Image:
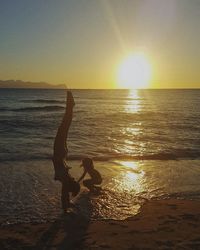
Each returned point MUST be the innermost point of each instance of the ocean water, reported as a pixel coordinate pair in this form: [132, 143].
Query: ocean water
[145, 143]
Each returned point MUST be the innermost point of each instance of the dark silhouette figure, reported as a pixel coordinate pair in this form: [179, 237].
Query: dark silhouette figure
[96, 178]
[60, 154]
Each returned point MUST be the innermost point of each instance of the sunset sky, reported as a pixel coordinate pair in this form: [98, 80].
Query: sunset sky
[83, 42]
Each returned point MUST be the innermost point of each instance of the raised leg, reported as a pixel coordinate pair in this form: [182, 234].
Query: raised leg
[89, 184]
[67, 118]
[60, 144]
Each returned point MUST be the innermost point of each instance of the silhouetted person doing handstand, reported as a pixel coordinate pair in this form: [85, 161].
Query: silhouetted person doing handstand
[60, 154]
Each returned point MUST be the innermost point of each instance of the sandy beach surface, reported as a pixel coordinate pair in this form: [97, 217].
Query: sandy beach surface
[160, 224]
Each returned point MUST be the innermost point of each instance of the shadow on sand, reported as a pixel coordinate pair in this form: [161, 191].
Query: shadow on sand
[69, 230]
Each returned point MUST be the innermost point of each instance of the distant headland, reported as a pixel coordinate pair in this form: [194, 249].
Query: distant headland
[32, 85]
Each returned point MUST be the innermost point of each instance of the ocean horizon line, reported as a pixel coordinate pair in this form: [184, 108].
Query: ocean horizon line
[20, 88]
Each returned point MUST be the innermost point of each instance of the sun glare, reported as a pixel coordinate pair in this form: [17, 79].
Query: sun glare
[134, 72]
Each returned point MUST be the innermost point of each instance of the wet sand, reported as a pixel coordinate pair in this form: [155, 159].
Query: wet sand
[161, 224]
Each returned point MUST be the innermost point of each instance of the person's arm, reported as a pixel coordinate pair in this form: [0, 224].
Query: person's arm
[82, 176]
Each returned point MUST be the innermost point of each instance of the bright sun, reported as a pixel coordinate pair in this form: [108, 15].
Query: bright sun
[134, 72]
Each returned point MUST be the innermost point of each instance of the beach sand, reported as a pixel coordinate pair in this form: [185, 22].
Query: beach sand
[160, 224]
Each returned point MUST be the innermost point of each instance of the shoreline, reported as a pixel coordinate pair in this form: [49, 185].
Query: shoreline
[160, 224]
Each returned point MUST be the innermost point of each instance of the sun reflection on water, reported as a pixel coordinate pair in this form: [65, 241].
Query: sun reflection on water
[133, 104]
[124, 192]
[130, 177]
[126, 187]
[132, 129]
[129, 164]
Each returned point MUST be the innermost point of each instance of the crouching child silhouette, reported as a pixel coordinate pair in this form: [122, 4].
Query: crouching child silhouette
[96, 179]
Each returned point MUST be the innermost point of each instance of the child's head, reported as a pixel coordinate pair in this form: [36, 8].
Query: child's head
[87, 163]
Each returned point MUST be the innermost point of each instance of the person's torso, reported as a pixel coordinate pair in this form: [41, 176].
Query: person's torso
[60, 170]
[94, 174]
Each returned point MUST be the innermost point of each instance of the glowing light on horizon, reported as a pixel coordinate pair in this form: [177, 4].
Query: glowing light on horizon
[134, 72]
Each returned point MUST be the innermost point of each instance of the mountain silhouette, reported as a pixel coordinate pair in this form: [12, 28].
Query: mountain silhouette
[23, 84]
